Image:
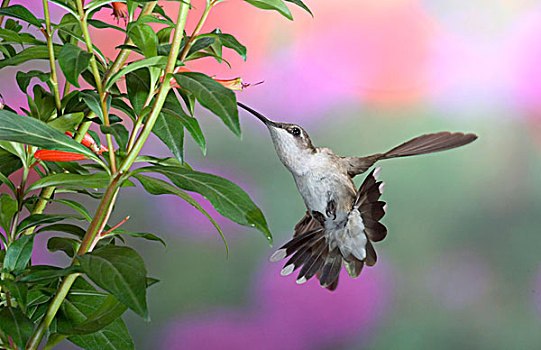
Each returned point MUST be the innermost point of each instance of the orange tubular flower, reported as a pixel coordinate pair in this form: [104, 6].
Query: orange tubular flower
[89, 142]
[57, 156]
[235, 84]
[120, 10]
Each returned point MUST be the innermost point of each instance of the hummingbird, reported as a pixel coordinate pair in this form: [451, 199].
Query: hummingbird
[341, 221]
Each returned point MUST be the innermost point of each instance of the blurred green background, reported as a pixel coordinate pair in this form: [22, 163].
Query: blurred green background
[460, 267]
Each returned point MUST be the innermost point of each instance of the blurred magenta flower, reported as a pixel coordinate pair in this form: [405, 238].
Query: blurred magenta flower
[287, 316]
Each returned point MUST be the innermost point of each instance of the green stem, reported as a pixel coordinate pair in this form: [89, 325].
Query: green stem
[97, 78]
[124, 53]
[99, 220]
[63, 290]
[196, 31]
[164, 89]
[44, 195]
[5, 3]
[49, 37]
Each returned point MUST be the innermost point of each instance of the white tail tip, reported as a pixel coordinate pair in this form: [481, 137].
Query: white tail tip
[382, 187]
[377, 171]
[301, 280]
[278, 255]
[287, 270]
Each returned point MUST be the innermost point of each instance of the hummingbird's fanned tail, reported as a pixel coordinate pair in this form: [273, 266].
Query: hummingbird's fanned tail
[318, 252]
[428, 143]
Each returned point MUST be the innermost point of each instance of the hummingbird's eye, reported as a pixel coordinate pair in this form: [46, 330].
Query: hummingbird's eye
[295, 131]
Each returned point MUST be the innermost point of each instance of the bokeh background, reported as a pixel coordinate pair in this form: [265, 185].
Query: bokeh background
[461, 265]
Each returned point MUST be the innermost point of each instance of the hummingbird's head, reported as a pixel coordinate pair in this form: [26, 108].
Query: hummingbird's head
[291, 142]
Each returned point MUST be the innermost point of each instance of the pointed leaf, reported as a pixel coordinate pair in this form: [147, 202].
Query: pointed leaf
[158, 61]
[98, 180]
[213, 96]
[73, 61]
[23, 79]
[39, 219]
[144, 37]
[18, 254]
[16, 325]
[121, 272]
[138, 86]
[301, 5]
[8, 208]
[84, 303]
[64, 244]
[227, 198]
[157, 187]
[145, 235]
[22, 13]
[27, 130]
[277, 5]
[67, 122]
[171, 132]
[119, 132]
[30, 53]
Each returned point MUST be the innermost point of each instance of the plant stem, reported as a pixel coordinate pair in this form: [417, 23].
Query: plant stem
[164, 89]
[44, 195]
[196, 31]
[49, 37]
[63, 290]
[104, 209]
[97, 78]
[5, 3]
[124, 53]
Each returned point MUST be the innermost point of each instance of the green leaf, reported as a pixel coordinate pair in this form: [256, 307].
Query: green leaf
[92, 100]
[18, 253]
[9, 163]
[78, 207]
[67, 245]
[27, 130]
[22, 13]
[169, 129]
[144, 37]
[30, 53]
[213, 96]
[16, 325]
[119, 132]
[8, 208]
[18, 290]
[14, 148]
[23, 79]
[227, 198]
[4, 179]
[277, 5]
[103, 25]
[85, 304]
[67, 122]
[158, 61]
[301, 5]
[158, 187]
[42, 104]
[138, 86]
[173, 108]
[97, 4]
[73, 61]
[98, 180]
[145, 235]
[45, 274]
[230, 42]
[110, 310]
[67, 228]
[121, 272]
[11, 36]
[39, 219]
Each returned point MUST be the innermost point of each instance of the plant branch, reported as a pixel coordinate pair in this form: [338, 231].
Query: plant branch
[97, 79]
[164, 89]
[5, 3]
[196, 31]
[49, 36]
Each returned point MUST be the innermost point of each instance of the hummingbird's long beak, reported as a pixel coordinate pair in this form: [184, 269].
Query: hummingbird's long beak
[258, 115]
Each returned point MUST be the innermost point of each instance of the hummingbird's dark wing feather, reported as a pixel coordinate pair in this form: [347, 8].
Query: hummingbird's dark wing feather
[310, 246]
[423, 144]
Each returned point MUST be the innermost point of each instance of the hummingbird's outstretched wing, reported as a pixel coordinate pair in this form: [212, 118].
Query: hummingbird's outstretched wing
[423, 144]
